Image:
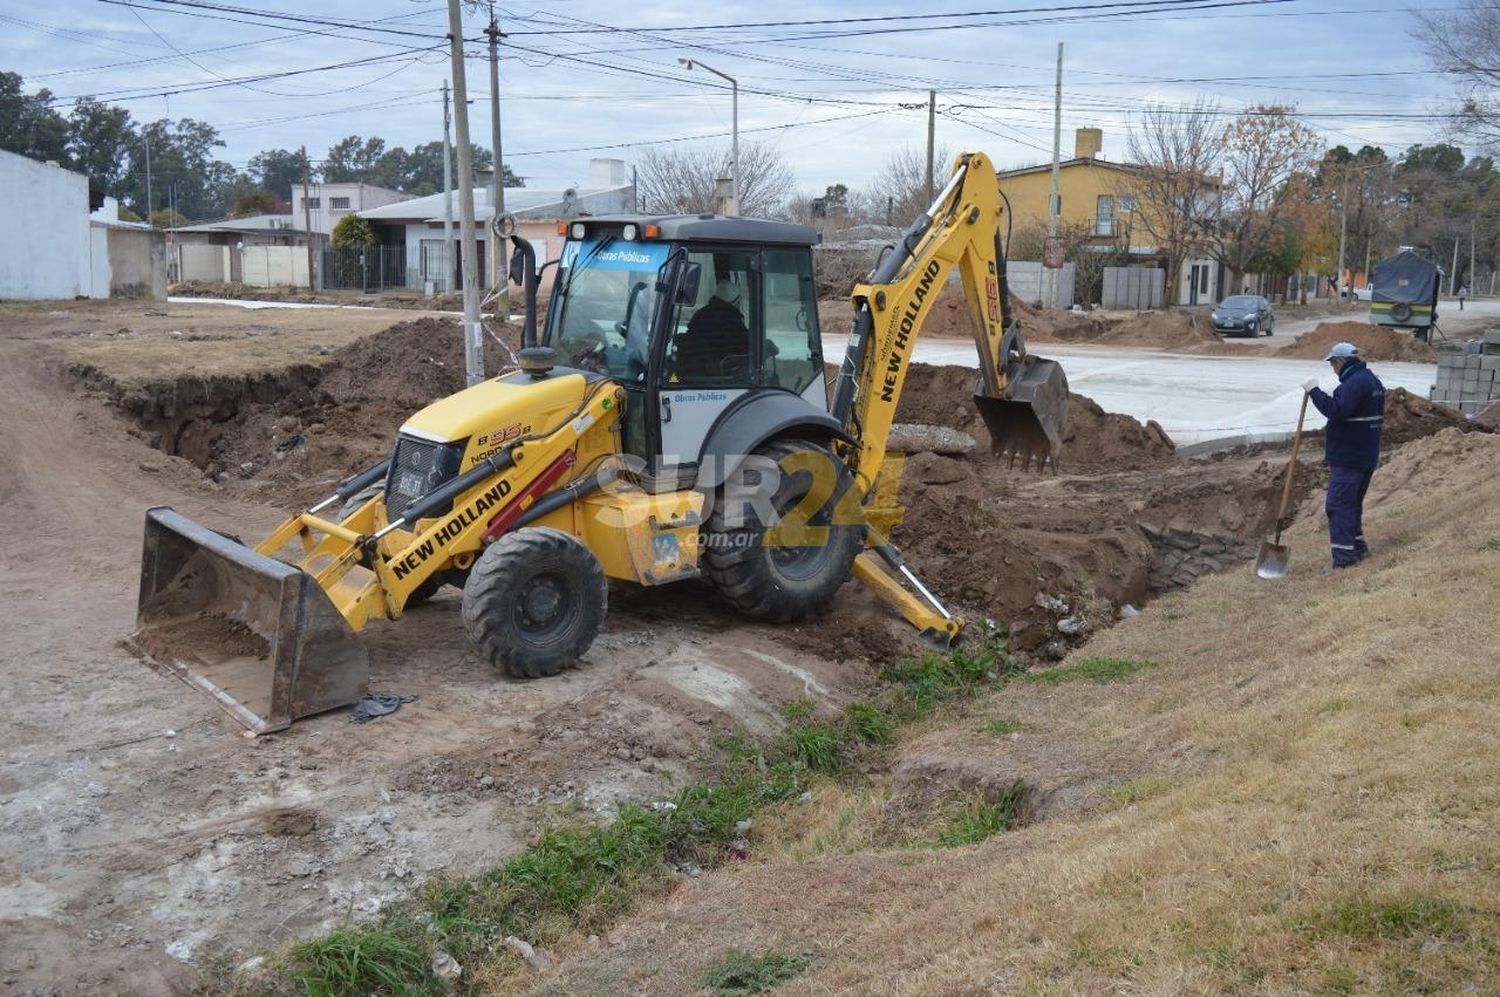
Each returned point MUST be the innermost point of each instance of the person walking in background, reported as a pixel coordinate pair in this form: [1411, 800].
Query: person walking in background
[1463, 292]
[1351, 448]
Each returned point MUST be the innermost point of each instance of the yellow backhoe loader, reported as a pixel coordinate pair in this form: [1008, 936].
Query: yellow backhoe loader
[671, 421]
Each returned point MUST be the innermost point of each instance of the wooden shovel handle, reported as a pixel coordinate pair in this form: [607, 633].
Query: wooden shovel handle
[1291, 467]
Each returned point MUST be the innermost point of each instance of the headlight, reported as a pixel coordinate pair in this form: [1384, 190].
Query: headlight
[578, 231]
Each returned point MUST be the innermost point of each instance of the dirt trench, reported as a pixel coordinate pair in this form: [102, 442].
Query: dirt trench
[292, 432]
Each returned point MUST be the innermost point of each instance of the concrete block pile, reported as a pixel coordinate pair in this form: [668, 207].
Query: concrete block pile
[1468, 375]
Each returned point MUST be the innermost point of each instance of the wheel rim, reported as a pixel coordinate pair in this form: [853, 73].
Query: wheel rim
[544, 607]
[801, 563]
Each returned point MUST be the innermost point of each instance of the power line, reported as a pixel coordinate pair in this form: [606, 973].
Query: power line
[607, 29]
[699, 138]
[172, 90]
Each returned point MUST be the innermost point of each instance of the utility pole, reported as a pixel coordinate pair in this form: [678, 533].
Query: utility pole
[307, 219]
[1472, 272]
[1054, 206]
[447, 195]
[1344, 233]
[147, 137]
[473, 331]
[497, 182]
[1453, 274]
[931, 136]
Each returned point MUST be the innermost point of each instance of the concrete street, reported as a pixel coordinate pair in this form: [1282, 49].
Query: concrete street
[1196, 399]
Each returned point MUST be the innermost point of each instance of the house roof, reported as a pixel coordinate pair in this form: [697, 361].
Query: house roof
[1090, 161]
[250, 223]
[1066, 163]
[523, 202]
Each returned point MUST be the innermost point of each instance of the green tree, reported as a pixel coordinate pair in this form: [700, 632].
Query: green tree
[100, 137]
[184, 172]
[354, 232]
[167, 218]
[281, 170]
[352, 159]
[28, 124]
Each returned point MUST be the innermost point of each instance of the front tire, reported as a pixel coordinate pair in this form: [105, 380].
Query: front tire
[534, 602]
[782, 583]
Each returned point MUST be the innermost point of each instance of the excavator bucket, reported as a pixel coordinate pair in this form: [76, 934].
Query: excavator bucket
[1027, 421]
[258, 635]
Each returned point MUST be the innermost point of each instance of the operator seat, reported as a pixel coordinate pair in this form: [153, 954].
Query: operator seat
[716, 343]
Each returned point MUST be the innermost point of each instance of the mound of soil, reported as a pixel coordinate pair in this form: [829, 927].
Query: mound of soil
[1159, 330]
[1093, 439]
[1411, 417]
[1375, 342]
[1096, 440]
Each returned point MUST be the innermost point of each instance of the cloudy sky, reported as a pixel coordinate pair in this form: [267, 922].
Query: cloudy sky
[832, 85]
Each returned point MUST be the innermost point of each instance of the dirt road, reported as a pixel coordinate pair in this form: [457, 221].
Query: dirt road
[145, 834]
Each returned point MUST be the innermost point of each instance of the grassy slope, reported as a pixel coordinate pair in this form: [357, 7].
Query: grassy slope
[1302, 794]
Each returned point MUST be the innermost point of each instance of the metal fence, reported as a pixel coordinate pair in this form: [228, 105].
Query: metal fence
[1137, 288]
[373, 269]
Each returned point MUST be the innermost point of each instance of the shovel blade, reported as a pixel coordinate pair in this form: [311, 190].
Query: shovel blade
[258, 635]
[1272, 560]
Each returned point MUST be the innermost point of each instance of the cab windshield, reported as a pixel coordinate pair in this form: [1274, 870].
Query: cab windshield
[606, 295]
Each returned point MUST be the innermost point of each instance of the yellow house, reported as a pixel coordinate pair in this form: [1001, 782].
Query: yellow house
[1102, 199]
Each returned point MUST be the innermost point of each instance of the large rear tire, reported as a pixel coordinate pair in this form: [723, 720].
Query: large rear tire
[782, 583]
[534, 602]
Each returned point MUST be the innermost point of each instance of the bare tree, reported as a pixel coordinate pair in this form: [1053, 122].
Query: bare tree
[1177, 155]
[681, 181]
[1264, 149]
[899, 192]
[1465, 42]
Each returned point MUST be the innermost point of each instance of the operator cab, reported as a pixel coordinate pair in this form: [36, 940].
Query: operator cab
[695, 316]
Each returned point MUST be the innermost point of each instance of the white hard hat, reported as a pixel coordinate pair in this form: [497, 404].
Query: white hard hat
[1342, 351]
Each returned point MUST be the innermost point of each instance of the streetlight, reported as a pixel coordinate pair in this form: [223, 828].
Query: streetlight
[734, 85]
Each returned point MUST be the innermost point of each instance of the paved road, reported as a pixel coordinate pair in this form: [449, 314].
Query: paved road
[1477, 314]
[1196, 399]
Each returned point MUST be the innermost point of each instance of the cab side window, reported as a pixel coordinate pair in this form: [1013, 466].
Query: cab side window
[711, 340]
[792, 354]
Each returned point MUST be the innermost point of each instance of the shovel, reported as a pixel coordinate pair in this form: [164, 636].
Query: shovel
[1273, 557]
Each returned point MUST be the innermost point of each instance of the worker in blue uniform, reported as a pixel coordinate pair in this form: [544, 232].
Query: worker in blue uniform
[1356, 414]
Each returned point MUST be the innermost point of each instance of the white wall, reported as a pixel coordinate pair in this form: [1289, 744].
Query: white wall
[45, 247]
[1027, 282]
[274, 266]
[200, 262]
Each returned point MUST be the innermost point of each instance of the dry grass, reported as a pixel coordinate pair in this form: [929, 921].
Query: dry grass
[137, 342]
[1302, 795]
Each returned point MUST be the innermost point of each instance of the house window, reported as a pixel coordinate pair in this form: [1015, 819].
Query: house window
[1124, 204]
[313, 203]
[338, 203]
[1104, 215]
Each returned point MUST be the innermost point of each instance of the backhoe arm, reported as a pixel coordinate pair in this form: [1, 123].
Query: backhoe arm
[1023, 398]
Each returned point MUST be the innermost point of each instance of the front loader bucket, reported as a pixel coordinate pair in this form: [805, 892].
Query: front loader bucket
[258, 635]
[1027, 420]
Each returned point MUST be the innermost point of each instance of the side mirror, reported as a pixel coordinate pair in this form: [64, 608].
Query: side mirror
[687, 287]
[518, 267]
